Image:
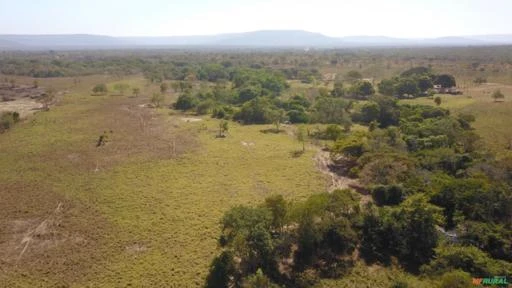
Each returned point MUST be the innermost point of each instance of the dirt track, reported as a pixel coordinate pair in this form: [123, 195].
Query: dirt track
[324, 163]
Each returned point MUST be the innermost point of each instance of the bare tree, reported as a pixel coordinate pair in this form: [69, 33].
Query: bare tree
[136, 91]
[223, 128]
[47, 98]
[157, 99]
[301, 137]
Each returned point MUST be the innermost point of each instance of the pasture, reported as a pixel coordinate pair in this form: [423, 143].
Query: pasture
[143, 209]
[104, 190]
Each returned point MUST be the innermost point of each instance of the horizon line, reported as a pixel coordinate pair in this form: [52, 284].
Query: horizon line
[252, 31]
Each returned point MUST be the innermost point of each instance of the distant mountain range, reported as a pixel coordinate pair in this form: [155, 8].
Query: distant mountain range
[264, 39]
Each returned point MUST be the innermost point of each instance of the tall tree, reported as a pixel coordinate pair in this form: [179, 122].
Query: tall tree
[445, 80]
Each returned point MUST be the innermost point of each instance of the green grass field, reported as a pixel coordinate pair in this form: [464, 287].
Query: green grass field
[142, 210]
[492, 118]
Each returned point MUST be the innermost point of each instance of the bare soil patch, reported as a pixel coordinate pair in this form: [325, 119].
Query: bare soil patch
[45, 235]
[133, 132]
[24, 107]
[339, 180]
[21, 98]
[189, 119]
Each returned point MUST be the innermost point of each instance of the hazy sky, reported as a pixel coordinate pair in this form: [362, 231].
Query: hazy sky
[398, 18]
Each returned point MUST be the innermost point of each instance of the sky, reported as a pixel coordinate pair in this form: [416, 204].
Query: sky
[394, 18]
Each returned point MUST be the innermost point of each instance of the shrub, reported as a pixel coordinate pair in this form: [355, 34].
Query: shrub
[296, 116]
[388, 195]
[100, 89]
[333, 132]
[157, 99]
[467, 258]
[399, 284]
[219, 113]
[255, 111]
[185, 102]
[352, 146]
[306, 279]
[204, 107]
[8, 119]
[480, 80]
[456, 279]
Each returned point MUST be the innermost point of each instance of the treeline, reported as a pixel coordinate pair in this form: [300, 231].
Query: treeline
[177, 64]
[441, 203]
[415, 82]
[252, 96]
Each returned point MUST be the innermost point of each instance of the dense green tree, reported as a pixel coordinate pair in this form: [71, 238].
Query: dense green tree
[248, 93]
[298, 103]
[353, 146]
[407, 231]
[278, 206]
[248, 232]
[445, 80]
[298, 116]
[338, 90]
[438, 101]
[255, 111]
[239, 220]
[212, 72]
[362, 90]
[389, 111]
[494, 239]
[467, 258]
[324, 227]
[205, 107]
[456, 279]
[475, 199]
[370, 112]
[354, 75]
[185, 102]
[407, 87]
[375, 239]
[333, 132]
[388, 195]
[259, 280]
[425, 83]
[387, 87]
[331, 110]
[222, 269]
[416, 71]
[386, 169]
[100, 89]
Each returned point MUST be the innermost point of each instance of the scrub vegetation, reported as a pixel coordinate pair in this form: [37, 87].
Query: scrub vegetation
[327, 168]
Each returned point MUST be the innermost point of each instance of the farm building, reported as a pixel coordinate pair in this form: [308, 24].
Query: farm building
[438, 89]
